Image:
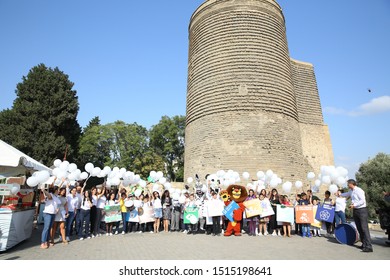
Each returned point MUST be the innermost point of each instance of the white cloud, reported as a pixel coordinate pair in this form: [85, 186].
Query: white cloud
[373, 107]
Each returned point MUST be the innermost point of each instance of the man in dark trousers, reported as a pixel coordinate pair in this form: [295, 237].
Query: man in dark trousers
[360, 214]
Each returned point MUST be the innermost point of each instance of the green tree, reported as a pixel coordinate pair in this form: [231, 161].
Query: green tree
[148, 162]
[95, 144]
[44, 116]
[167, 140]
[373, 177]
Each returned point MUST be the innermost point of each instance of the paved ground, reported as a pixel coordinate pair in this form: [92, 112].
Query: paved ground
[179, 246]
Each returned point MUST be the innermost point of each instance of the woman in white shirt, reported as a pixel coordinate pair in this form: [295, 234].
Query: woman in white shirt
[157, 208]
[101, 202]
[341, 204]
[49, 213]
[60, 217]
[85, 215]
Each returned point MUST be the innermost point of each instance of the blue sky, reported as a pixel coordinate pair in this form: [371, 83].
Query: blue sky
[128, 60]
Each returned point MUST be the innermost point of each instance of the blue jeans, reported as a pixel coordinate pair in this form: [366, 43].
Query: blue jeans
[48, 220]
[124, 221]
[340, 216]
[85, 219]
[69, 222]
[305, 229]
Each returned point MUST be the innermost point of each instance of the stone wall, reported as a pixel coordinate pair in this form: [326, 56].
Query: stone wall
[243, 112]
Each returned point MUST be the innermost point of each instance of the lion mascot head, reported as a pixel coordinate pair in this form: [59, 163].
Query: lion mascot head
[237, 193]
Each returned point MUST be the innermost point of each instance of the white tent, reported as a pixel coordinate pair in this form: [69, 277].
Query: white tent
[13, 162]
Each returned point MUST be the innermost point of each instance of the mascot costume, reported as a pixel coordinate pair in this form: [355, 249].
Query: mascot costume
[238, 194]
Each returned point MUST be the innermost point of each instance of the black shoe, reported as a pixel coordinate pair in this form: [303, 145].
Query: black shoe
[208, 233]
[367, 250]
[194, 233]
[189, 232]
[213, 234]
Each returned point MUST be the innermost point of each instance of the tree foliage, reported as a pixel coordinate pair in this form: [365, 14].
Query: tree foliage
[373, 177]
[167, 140]
[43, 120]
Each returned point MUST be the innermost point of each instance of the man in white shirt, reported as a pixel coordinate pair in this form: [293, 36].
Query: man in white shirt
[360, 214]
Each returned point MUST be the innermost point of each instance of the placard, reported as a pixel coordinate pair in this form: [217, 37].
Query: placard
[112, 213]
[132, 216]
[228, 211]
[316, 223]
[214, 207]
[284, 214]
[266, 208]
[191, 215]
[147, 217]
[304, 214]
[325, 213]
[252, 208]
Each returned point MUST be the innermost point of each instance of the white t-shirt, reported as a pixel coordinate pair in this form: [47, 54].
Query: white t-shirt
[94, 200]
[101, 202]
[52, 205]
[85, 205]
[341, 204]
[72, 202]
[157, 203]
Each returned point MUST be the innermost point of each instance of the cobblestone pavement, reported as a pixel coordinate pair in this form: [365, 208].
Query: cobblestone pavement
[179, 246]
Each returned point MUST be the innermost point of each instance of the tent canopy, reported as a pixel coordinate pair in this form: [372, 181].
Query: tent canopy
[13, 162]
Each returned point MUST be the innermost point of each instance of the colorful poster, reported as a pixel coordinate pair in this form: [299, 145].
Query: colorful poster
[132, 216]
[214, 207]
[228, 211]
[147, 217]
[112, 213]
[191, 215]
[266, 208]
[285, 214]
[252, 208]
[325, 213]
[316, 223]
[304, 214]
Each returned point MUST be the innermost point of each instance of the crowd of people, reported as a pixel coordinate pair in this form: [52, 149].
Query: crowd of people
[80, 213]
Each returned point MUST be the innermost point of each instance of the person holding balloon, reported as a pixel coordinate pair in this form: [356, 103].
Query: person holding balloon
[61, 216]
[49, 213]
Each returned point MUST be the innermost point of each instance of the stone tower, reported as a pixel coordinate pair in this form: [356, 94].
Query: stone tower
[249, 106]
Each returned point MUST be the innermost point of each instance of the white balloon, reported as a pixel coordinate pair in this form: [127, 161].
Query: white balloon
[32, 181]
[142, 183]
[190, 180]
[57, 163]
[89, 167]
[153, 174]
[156, 187]
[62, 174]
[221, 173]
[260, 175]
[245, 175]
[107, 170]
[343, 172]
[72, 167]
[279, 181]
[182, 199]
[102, 174]
[71, 177]
[298, 184]
[260, 188]
[55, 171]
[226, 183]
[122, 171]
[341, 181]
[43, 176]
[175, 196]
[83, 175]
[326, 180]
[137, 192]
[274, 182]
[64, 165]
[269, 173]
[137, 178]
[96, 171]
[115, 181]
[311, 176]
[159, 175]
[162, 180]
[16, 188]
[333, 188]
[204, 188]
[167, 186]
[178, 191]
[287, 187]
[317, 183]
[172, 190]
